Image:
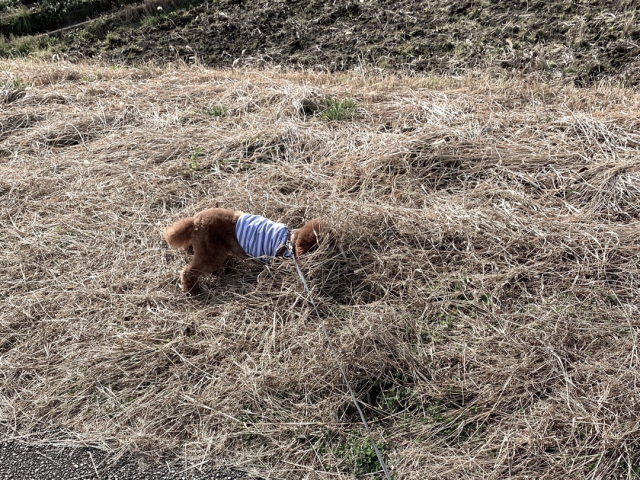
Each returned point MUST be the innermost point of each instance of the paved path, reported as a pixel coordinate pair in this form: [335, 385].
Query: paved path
[27, 462]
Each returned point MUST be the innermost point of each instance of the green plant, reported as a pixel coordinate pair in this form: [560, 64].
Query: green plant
[151, 20]
[7, 4]
[338, 110]
[433, 412]
[360, 455]
[16, 46]
[113, 39]
[22, 22]
[394, 399]
[216, 111]
[194, 158]
[12, 89]
[14, 83]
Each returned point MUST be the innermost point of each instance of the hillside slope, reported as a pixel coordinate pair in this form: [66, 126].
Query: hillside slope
[582, 41]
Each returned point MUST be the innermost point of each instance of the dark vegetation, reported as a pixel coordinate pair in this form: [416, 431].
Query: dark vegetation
[582, 41]
[26, 17]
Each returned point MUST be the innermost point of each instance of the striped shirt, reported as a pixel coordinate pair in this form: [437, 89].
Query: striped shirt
[261, 238]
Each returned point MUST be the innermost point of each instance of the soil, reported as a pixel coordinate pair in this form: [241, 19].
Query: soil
[580, 42]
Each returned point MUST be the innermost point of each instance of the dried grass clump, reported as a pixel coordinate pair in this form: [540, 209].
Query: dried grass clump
[482, 289]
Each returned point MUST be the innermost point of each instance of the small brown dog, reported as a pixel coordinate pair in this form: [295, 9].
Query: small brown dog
[217, 234]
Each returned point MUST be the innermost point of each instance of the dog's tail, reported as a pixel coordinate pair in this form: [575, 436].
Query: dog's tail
[178, 235]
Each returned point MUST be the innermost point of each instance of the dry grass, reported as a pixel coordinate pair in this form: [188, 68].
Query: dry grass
[482, 292]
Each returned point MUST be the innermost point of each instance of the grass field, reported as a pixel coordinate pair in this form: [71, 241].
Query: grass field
[482, 290]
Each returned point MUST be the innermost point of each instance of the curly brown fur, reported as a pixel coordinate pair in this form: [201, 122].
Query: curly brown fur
[309, 236]
[178, 235]
[211, 236]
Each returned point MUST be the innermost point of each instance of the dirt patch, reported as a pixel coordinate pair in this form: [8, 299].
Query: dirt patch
[583, 41]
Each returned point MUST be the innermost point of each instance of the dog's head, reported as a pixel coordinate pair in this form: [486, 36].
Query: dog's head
[309, 236]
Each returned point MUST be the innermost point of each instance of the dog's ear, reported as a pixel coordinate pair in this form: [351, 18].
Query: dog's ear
[309, 236]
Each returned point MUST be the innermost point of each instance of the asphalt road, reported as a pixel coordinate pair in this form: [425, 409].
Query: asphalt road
[19, 461]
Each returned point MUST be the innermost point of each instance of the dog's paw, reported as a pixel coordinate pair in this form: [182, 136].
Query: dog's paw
[188, 285]
[190, 290]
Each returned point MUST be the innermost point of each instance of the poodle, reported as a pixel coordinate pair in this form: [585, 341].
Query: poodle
[216, 234]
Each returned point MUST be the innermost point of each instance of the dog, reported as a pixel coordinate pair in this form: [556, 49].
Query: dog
[216, 234]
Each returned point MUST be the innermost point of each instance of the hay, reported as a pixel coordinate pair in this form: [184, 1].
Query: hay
[482, 290]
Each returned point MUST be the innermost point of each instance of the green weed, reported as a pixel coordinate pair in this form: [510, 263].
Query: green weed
[216, 111]
[152, 19]
[8, 4]
[360, 455]
[339, 110]
[15, 84]
[12, 89]
[194, 158]
[12, 46]
[395, 399]
[149, 21]
[113, 39]
[22, 22]
[433, 412]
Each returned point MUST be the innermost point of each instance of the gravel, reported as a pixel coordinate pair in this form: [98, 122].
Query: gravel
[20, 461]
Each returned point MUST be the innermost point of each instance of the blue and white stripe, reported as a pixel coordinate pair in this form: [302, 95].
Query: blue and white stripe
[260, 237]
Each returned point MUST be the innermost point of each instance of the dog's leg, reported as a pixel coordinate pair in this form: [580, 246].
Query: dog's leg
[189, 280]
[198, 267]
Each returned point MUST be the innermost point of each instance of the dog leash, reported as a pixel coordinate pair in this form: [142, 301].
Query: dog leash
[337, 359]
